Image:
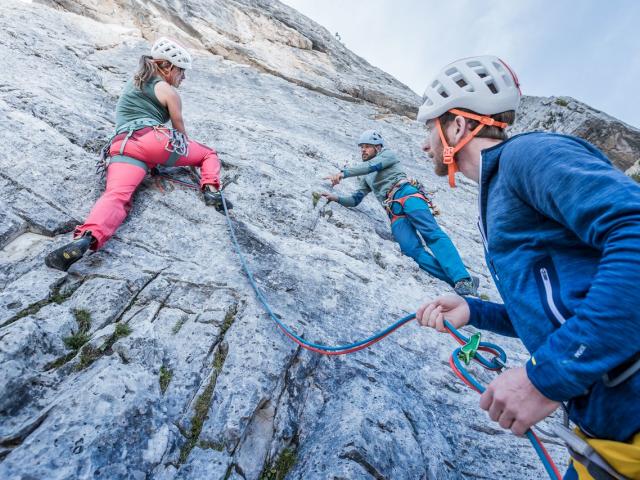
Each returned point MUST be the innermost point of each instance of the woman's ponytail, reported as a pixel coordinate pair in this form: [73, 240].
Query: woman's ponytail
[146, 70]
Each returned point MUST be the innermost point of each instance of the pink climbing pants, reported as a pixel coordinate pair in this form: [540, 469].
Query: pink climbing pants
[148, 146]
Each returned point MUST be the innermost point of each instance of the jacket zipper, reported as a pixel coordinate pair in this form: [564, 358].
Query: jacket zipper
[548, 289]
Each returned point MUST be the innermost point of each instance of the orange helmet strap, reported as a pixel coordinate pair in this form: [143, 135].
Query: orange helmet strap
[450, 152]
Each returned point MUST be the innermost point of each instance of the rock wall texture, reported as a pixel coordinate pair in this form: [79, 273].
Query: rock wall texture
[152, 358]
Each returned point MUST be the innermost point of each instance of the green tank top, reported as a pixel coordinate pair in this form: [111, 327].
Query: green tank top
[138, 104]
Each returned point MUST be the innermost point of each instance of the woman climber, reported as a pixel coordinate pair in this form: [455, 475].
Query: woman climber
[142, 141]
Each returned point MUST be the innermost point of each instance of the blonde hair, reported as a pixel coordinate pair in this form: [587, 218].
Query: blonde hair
[147, 68]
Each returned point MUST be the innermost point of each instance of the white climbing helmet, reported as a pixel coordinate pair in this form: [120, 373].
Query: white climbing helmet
[371, 137]
[483, 84]
[170, 50]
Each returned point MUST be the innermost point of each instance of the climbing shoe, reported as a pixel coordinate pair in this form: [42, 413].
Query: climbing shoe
[213, 198]
[467, 287]
[64, 257]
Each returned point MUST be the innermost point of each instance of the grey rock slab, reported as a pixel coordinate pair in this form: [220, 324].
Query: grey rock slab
[171, 339]
[11, 226]
[240, 391]
[26, 347]
[29, 289]
[103, 298]
[24, 246]
[205, 463]
[128, 440]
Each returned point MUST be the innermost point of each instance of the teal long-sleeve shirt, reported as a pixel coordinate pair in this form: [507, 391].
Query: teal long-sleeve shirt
[378, 175]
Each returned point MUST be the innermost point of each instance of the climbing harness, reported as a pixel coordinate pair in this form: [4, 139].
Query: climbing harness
[586, 455]
[177, 144]
[390, 204]
[128, 129]
[469, 350]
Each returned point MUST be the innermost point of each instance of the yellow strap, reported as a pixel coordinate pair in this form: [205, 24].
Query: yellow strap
[624, 457]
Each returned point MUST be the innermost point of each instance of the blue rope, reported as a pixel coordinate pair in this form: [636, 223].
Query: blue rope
[489, 364]
[376, 336]
[493, 365]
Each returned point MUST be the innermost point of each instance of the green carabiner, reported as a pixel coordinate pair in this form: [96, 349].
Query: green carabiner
[469, 349]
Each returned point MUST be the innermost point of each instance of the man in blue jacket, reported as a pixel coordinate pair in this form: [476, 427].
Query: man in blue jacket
[561, 231]
[409, 212]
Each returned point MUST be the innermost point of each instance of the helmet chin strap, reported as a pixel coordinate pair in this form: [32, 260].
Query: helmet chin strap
[164, 71]
[450, 152]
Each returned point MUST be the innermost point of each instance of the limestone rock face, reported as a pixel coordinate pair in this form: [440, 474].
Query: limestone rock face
[152, 358]
[621, 142]
[264, 34]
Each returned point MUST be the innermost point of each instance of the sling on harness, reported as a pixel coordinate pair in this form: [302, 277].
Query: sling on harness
[390, 202]
[586, 455]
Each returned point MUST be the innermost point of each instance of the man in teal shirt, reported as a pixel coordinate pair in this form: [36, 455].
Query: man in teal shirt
[408, 210]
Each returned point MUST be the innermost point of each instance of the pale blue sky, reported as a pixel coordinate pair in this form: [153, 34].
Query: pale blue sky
[587, 49]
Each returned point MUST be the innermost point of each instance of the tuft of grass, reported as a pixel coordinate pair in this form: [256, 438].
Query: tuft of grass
[635, 176]
[60, 361]
[88, 355]
[57, 296]
[30, 310]
[315, 198]
[176, 328]
[122, 330]
[83, 318]
[220, 357]
[562, 102]
[229, 317]
[81, 336]
[484, 296]
[281, 467]
[76, 340]
[34, 308]
[165, 378]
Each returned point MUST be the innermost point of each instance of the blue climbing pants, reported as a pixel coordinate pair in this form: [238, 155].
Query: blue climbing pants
[415, 217]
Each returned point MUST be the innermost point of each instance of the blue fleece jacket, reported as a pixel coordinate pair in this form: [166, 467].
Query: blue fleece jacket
[562, 240]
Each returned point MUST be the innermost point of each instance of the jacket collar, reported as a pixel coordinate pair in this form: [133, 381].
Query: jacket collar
[489, 164]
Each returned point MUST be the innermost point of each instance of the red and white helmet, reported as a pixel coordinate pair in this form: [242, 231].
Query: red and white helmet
[171, 51]
[483, 84]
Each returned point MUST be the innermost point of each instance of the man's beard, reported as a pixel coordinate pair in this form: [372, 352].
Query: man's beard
[367, 157]
[439, 167]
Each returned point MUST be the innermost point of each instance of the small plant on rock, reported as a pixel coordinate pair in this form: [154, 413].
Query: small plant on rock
[165, 378]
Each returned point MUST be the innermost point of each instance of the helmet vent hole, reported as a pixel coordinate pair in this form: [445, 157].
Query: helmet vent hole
[439, 88]
[492, 87]
[462, 83]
